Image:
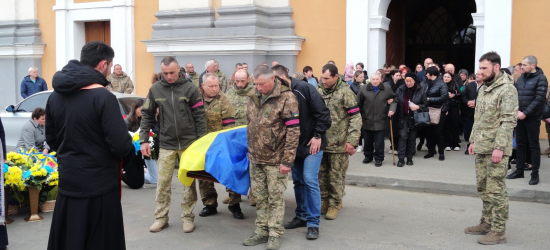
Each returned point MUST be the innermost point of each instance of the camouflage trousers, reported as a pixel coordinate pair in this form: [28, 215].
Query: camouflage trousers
[332, 178]
[268, 186]
[166, 164]
[491, 187]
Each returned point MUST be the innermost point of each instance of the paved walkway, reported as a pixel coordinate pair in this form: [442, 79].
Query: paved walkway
[455, 175]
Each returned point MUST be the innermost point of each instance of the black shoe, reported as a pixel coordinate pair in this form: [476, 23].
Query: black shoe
[312, 233]
[515, 175]
[295, 223]
[419, 146]
[513, 161]
[236, 210]
[528, 167]
[367, 160]
[534, 181]
[441, 157]
[466, 152]
[378, 163]
[207, 211]
[409, 162]
[401, 163]
[428, 156]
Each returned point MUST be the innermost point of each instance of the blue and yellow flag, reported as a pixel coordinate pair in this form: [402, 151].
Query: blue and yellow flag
[223, 154]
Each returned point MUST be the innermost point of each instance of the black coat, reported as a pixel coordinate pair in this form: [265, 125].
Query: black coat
[455, 90]
[469, 93]
[314, 115]
[532, 89]
[3, 139]
[355, 87]
[419, 98]
[438, 94]
[86, 129]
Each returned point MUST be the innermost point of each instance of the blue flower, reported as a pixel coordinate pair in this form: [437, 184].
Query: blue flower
[48, 169]
[26, 174]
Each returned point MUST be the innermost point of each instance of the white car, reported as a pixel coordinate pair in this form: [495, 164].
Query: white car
[17, 115]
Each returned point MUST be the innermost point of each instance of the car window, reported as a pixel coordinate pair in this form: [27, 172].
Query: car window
[126, 104]
[33, 102]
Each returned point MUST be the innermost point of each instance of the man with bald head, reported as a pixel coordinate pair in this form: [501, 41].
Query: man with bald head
[450, 68]
[193, 76]
[422, 74]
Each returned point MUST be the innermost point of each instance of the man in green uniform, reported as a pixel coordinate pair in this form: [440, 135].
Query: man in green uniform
[273, 132]
[495, 117]
[343, 137]
[190, 68]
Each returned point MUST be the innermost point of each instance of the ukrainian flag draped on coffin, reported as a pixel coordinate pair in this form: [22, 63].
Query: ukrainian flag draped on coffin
[223, 154]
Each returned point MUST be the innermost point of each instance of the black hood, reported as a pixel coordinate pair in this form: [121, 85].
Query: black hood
[74, 76]
[537, 73]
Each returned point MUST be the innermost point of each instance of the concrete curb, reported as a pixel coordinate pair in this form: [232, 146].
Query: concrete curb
[442, 188]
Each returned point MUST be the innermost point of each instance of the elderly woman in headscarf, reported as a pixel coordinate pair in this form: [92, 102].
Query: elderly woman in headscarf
[410, 97]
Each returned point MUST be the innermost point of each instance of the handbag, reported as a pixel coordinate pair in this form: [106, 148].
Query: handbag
[421, 119]
[435, 115]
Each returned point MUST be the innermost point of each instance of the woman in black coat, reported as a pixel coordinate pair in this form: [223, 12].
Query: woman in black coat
[452, 121]
[411, 98]
[437, 97]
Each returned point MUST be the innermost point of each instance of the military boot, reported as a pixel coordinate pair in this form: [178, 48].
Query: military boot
[332, 213]
[225, 200]
[481, 229]
[492, 238]
[255, 239]
[158, 226]
[188, 226]
[274, 243]
[340, 206]
[324, 208]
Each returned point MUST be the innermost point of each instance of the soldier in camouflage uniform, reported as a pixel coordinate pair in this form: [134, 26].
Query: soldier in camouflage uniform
[343, 137]
[239, 100]
[193, 76]
[181, 112]
[219, 115]
[120, 82]
[221, 75]
[273, 134]
[491, 140]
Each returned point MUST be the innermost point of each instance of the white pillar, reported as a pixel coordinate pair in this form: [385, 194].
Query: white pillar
[356, 37]
[498, 29]
[123, 45]
[378, 26]
[479, 23]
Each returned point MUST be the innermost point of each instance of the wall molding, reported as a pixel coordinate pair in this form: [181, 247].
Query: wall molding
[34, 50]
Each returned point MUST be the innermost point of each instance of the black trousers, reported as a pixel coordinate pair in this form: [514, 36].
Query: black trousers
[133, 171]
[527, 135]
[467, 125]
[374, 144]
[452, 125]
[407, 139]
[434, 136]
[87, 223]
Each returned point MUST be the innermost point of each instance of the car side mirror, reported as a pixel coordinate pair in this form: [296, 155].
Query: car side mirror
[10, 108]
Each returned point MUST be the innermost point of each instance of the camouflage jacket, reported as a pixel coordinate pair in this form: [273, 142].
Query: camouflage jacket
[194, 77]
[239, 100]
[274, 126]
[120, 84]
[345, 115]
[223, 81]
[495, 116]
[219, 113]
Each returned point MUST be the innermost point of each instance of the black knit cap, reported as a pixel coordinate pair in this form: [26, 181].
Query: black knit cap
[411, 75]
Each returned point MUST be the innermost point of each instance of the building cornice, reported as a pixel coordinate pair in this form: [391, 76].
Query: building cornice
[18, 50]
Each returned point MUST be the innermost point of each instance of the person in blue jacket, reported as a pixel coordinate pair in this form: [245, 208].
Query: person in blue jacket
[32, 84]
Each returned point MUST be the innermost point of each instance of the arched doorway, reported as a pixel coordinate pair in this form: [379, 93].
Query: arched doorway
[440, 29]
[380, 22]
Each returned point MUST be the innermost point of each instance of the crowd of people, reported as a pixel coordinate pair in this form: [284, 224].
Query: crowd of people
[297, 123]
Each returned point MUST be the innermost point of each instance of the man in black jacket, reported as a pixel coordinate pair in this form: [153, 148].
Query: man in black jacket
[532, 86]
[86, 129]
[469, 96]
[314, 121]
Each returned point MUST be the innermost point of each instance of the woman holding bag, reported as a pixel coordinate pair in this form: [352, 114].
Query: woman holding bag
[411, 98]
[437, 98]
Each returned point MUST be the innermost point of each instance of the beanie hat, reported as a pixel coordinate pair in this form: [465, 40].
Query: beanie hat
[411, 75]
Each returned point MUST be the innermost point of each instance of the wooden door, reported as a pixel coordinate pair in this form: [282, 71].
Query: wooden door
[98, 31]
